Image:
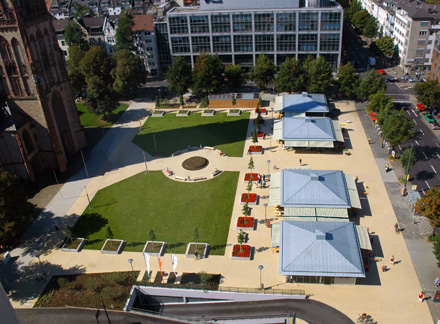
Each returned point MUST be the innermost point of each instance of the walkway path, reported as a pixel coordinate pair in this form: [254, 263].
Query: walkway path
[381, 294]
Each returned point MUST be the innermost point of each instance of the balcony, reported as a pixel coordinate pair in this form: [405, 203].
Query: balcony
[436, 27]
[8, 22]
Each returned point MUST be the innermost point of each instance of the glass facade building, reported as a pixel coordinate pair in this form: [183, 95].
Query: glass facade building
[241, 30]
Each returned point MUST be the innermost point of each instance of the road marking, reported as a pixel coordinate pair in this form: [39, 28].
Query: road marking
[414, 121]
[433, 169]
[415, 114]
[424, 155]
[437, 144]
[422, 132]
[428, 184]
[417, 143]
[423, 192]
[437, 155]
[400, 147]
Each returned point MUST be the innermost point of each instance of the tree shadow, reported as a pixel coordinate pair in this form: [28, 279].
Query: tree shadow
[366, 210]
[175, 245]
[425, 175]
[24, 283]
[134, 244]
[89, 224]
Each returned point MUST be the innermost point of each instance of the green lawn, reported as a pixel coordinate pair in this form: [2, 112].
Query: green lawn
[91, 120]
[226, 133]
[173, 209]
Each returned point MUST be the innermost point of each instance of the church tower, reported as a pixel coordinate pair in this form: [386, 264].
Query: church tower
[35, 92]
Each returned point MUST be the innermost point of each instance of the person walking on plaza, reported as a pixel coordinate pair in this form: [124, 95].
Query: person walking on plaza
[369, 140]
[396, 228]
[421, 297]
[392, 260]
[437, 282]
[300, 162]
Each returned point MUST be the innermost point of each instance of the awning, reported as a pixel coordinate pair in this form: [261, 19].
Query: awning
[352, 191]
[314, 144]
[275, 239]
[275, 189]
[316, 212]
[278, 129]
[338, 131]
[364, 237]
[315, 219]
[278, 106]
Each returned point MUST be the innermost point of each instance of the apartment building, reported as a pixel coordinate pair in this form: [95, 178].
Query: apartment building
[414, 26]
[238, 31]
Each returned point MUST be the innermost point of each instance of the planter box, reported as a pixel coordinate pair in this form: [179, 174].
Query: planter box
[202, 249]
[182, 113]
[208, 112]
[245, 223]
[255, 149]
[159, 248]
[241, 253]
[78, 244]
[251, 198]
[262, 111]
[254, 177]
[234, 112]
[112, 246]
[158, 113]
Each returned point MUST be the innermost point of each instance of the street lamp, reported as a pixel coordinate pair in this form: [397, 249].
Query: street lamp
[265, 206]
[145, 161]
[268, 167]
[39, 260]
[260, 267]
[131, 263]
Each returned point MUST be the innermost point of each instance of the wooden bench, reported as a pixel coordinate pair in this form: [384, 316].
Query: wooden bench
[215, 173]
[198, 178]
[180, 178]
[209, 148]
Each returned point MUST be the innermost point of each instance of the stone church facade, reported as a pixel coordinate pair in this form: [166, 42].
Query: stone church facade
[39, 123]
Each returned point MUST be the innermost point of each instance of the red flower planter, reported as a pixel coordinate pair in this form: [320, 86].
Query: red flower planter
[245, 223]
[248, 176]
[263, 111]
[241, 252]
[250, 198]
[256, 149]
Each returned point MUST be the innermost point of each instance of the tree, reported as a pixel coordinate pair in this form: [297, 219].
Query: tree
[249, 186]
[240, 237]
[429, 206]
[436, 249]
[179, 76]
[235, 75]
[386, 45]
[69, 233]
[433, 1]
[80, 11]
[255, 136]
[234, 100]
[397, 127]
[157, 102]
[379, 101]
[348, 81]
[319, 76]
[372, 83]
[129, 72]
[77, 79]
[405, 159]
[360, 19]
[371, 28]
[207, 75]
[15, 211]
[428, 93]
[109, 233]
[101, 98]
[354, 7]
[290, 78]
[263, 72]
[74, 35]
[245, 209]
[124, 35]
[251, 165]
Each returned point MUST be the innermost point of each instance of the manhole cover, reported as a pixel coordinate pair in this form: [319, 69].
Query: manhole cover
[195, 163]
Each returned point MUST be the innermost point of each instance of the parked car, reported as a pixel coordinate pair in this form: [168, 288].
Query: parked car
[334, 113]
[435, 126]
[430, 118]
[391, 80]
[412, 80]
[420, 107]
[373, 116]
[381, 71]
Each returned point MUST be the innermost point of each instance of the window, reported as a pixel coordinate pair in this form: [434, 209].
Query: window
[243, 43]
[330, 21]
[423, 33]
[242, 22]
[424, 24]
[420, 51]
[329, 42]
[199, 24]
[221, 43]
[200, 43]
[286, 22]
[307, 42]
[180, 45]
[264, 43]
[308, 21]
[286, 43]
[263, 22]
[220, 24]
[421, 42]
[178, 25]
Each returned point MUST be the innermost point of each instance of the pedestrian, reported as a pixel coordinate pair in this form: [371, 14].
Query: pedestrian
[196, 255]
[387, 168]
[421, 297]
[392, 260]
[384, 268]
[300, 162]
[437, 282]
[55, 224]
[396, 228]
[369, 140]
[356, 179]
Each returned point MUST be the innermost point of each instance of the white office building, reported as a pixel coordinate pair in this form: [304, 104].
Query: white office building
[238, 31]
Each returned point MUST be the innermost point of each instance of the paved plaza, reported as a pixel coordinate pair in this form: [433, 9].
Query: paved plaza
[389, 297]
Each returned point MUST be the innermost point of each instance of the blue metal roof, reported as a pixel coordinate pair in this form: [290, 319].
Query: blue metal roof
[329, 249]
[308, 128]
[314, 188]
[305, 102]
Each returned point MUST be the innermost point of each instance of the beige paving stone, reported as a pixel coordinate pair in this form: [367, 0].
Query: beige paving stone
[393, 299]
